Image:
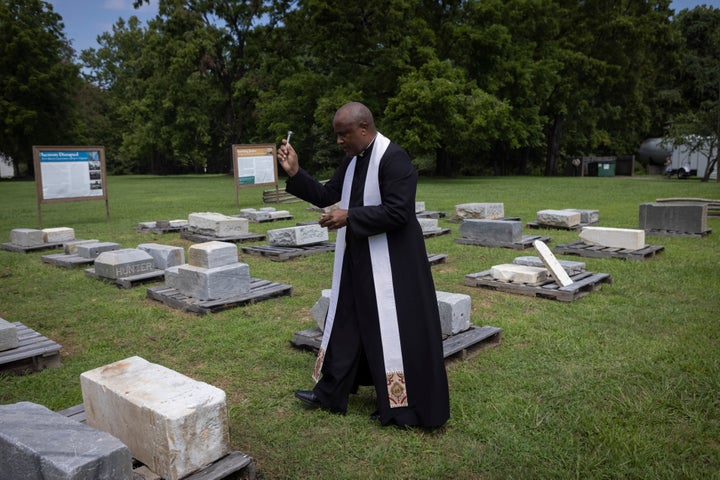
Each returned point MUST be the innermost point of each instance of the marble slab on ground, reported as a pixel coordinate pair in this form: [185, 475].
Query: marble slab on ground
[510, 272]
[122, 263]
[217, 224]
[70, 247]
[626, 238]
[172, 423]
[26, 237]
[297, 236]
[571, 267]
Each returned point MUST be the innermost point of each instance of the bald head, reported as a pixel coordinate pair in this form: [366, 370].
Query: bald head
[354, 127]
[355, 114]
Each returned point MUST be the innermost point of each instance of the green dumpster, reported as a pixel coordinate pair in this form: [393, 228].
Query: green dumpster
[606, 169]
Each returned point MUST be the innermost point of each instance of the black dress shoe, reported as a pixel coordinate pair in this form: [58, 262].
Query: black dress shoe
[375, 415]
[308, 398]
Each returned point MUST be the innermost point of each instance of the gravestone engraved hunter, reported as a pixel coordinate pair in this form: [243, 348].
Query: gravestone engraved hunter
[126, 262]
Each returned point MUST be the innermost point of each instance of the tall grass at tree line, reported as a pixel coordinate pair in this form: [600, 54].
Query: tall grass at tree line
[623, 383]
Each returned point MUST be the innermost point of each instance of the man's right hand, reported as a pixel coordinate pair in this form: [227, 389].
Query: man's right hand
[288, 159]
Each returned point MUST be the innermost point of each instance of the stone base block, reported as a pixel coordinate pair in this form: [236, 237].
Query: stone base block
[8, 335]
[558, 218]
[419, 207]
[213, 283]
[39, 444]
[58, 234]
[173, 424]
[164, 256]
[570, 266]
[509, 272]
[298, 236]
[454, 312]
[92, 250]
[70, 248]
[212, 254]
[627, 238]
[217, 224]
[685, 217]
[428, 224]
[320, 309]
[26, 237]
[492, 231]
[587, 216]
[123, 263]
[172, 277]
[490, 211]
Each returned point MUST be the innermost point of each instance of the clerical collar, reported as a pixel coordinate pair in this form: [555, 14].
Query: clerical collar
[367, 149]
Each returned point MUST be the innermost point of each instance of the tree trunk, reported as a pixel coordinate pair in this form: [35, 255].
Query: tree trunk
[443, 165]
[553, 135]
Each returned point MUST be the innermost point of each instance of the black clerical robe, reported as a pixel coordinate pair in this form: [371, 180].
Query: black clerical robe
[355, 346]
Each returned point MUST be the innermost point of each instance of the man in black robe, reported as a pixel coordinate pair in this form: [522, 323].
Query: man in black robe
[383, 316]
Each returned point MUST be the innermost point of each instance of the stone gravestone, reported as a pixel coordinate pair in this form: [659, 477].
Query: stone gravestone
[454, 311]
[429, 225]
[58, 234]
[263, 214]
[298, 236]
[586, 216]
[213, 272]
[26, 237]
[680, 217]
[217, 225]
[510, 272]
[419, 207]
[490, 211]
[123, 263]
[497, 232]
[8, 335]
[93, 249]
[558, 218]
[626, 238]
[571, 267]
[39, 444]
[164, 256]
[70, 248]
[173, 424]
[551, 263]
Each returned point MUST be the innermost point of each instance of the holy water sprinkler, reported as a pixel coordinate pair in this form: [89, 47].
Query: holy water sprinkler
[288, 136]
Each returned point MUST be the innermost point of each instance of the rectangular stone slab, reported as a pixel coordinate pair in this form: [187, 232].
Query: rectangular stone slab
[58, 234]
[123, 263]
[26, 237]
[173, 424]
[558, 218]
[682, 217]
[495, 231]
[213, 283]
[164, 256]
[510, 272]
[217, 224]
[39, 444]
[92, 250]
[8, 335]
[627, 238]
[70, 247]
[297, 236]
[571, 267]
[551, 263]
[212, 254]
[490, 211]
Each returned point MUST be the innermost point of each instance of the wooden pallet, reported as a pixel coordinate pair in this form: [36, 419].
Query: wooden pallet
[525, 243]
[436, 232]
[437, 258]
[579, 226]
[65, 260]
[197, 237]
[11, 247]
[259, 290]
[671, 233]
[460, 345]
[132, 280]
[282, 254]
[33, 353]
[596, 251]
[583, 284]
[234, 463]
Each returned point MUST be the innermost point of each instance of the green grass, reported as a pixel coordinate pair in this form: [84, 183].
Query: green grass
[623, 383]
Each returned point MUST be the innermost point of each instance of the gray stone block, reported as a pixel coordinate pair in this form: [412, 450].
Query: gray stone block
[214, 283]
[8, 335]
[26, 237]
[70, 248]
[92, 250]
[587, 216]
[39, 444]
[419, 207]
[570, 266]
[492, 231]
[164, 256]
[217, 224]
[297, 236]
[454, 311]
[212, 254]
[490, 211]
[172, 277]
[320, 309]
[123, 263]
[558, 218]
[510, 272]
[58, 234]
[683, 217]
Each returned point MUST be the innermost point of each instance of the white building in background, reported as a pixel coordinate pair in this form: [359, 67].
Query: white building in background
[6, 167]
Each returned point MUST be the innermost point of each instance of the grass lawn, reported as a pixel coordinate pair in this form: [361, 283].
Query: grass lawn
[623, 383]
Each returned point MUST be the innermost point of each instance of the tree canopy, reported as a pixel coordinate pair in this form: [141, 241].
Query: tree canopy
[468, 87]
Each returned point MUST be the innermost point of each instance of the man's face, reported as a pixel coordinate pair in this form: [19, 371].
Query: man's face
[353, 138]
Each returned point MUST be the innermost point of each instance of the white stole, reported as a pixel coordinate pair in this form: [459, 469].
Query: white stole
[382, 278]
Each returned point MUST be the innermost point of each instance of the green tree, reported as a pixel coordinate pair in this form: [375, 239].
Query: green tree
[38, 80]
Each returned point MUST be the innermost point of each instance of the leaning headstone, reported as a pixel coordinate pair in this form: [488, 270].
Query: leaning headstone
[626, 238]
[571, 267]
[173, 424]
[454, 311]
[490, 211]
[492, 231]
[39, 444]
[510, 272]
[681, 217]
[320, 309]
[551, 263]
[558, 218]
[58, 234]
[297, 236]
[26, 237]
[217, 224]
[212, 254]
[93, 249]
[123, 263]
[70, 248]
[164, 256]
[8, 335]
